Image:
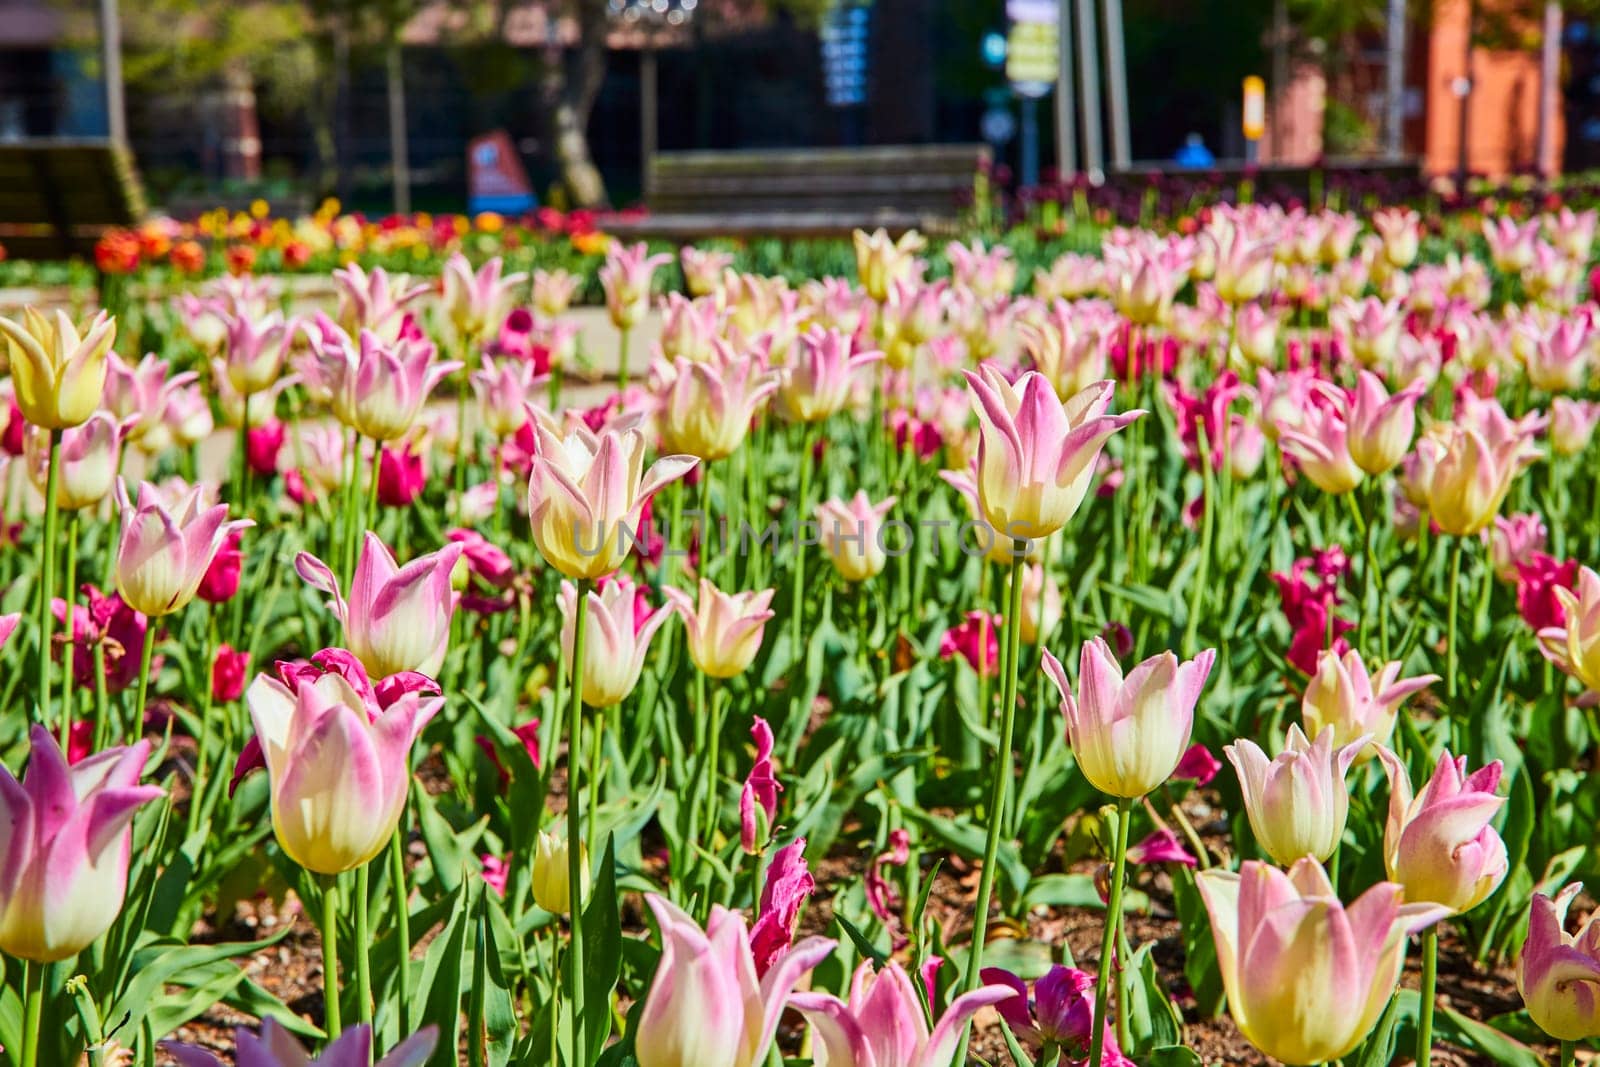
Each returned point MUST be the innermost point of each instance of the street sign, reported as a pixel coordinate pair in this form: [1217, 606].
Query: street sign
[998, 126]
[1032, 54]
[1254, 113]
[993, 49]
[844, 35]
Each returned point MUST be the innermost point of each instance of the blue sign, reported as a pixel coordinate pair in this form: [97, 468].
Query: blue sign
[846, 37]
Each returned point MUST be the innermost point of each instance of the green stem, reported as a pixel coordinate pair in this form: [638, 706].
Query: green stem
[204, 743]
[1569, 1053]
[71, 598]
[351, 536]
[33, 1009]
[1207, 532]
[574, 820]
[244, 458]
[47, 574]
[713, 757]
[1451, 651]
[598, 741]
[330, 957]
[463, 441]
[363, 945]
[1108, 941]
[371, 514]
[1001, 783]
[144, 675]
[402, 926]
[797, 604]
[480, 981]
[1430, 977]
[622, 360]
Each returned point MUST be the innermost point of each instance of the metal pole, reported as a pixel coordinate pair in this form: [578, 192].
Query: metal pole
[1549, 89]
[399, 144]
[647, 113]
[1280, 115]
[1089, 90]
[1394, 82]
[1066, 129]
[1030, 142]
[1117, 85]
[111, 71]
[1464, 120]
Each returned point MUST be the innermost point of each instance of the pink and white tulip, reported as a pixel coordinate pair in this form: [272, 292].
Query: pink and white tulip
[1306, 976]
[164, 549]
[585, 494]
[66, 850]
[1342, 695]
[724, 629]
[396, 618]
[339, 766]
[1558, 974]
[706, 1007]
[1297, 802]
[1128, 733]
[817, 380]
[1438, 844]
[615, 641]
[1036, 455]
[883, 1024]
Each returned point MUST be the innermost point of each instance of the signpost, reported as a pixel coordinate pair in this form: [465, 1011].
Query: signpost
[846, 37]
[1032, 66]
[496, 180]
[1254, 116]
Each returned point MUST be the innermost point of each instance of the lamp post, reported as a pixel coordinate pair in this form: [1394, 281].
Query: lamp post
[651, 17]
[111, 71]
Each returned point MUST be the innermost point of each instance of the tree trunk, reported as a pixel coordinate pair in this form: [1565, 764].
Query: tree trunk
[569, 96]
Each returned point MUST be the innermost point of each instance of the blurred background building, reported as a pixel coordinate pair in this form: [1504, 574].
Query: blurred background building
[295, 98]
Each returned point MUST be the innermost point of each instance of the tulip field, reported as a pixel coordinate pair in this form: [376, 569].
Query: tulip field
[1182, 650]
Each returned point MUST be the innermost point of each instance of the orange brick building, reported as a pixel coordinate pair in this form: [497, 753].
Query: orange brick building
[1503, 107]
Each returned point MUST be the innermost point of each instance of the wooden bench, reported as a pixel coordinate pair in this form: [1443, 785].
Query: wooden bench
[806, 192]
[59, 195]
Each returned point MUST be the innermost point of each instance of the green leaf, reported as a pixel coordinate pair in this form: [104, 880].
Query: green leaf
[861, 941]
[437, 997]
[1153, 1020]
[1505, 1051]
[1379, 1049]
[602, 943]
[1199, 947]
[499, 1015]
[1172, 1056]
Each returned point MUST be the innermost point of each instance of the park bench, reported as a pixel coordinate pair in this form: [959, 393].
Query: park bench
[806, 192]
[59, 195]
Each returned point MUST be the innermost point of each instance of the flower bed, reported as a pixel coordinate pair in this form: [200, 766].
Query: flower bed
[1177, 650]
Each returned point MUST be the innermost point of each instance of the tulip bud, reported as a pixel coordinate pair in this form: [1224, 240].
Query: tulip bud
[552, 881]
[724, 629]
[57, 375]
[1558, 973]
[65, 870]
[1307, 977]
[163, 553]
[1296, 803]
[1439, 845]
[614, 646]
[1128, 733]
[86, 465]
[852, 535]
